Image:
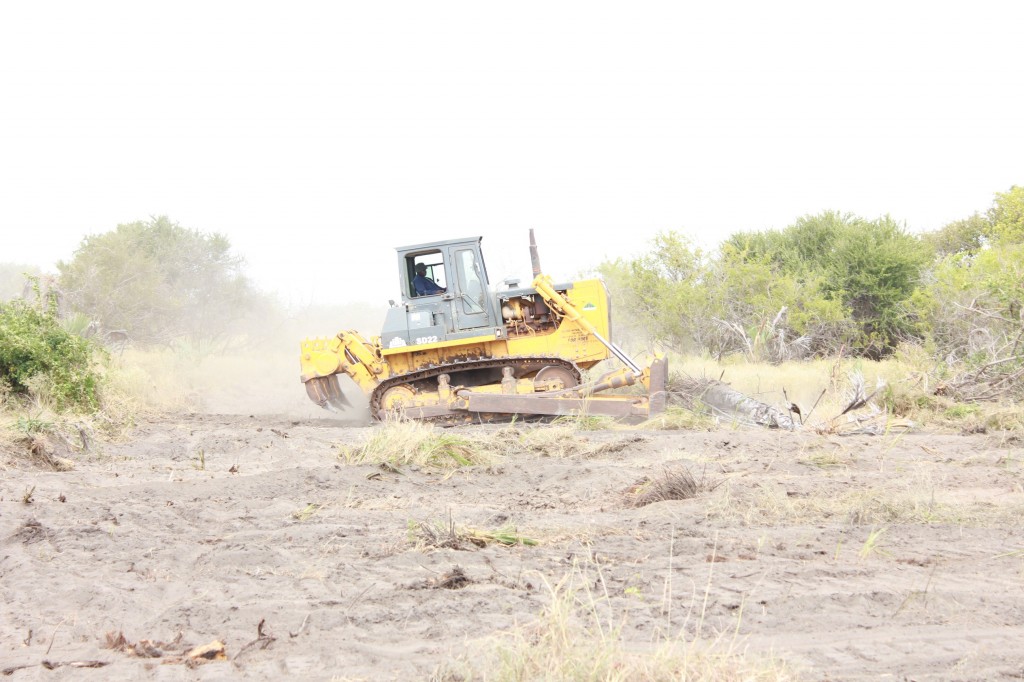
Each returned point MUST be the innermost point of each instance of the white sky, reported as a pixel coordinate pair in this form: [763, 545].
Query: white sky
[319, 136]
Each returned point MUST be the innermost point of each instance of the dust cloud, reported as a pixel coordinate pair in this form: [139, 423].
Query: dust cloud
[267, 383]
[258, 374]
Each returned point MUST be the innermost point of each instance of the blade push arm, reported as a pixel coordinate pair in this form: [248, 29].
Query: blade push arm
[546, 288]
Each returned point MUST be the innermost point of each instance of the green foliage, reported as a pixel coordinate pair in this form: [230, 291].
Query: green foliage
[78, 324]
[972, 297]
[30, 426]
[961, 411]
[874, 268]
[158, 281]
[999, 272]
[38, 354]
[667, 290]
[960, 236]
[739, 301]
[828, 281]
[805, 246]
[776, 312]
[973, 302]
[1007, 215]
[868, 270]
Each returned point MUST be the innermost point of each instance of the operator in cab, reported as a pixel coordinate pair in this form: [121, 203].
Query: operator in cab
[424, 285]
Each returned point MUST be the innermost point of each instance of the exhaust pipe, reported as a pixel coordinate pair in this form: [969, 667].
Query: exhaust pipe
[534, 256]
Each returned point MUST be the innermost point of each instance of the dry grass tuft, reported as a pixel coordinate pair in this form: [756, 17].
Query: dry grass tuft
[435, 535]
[405, 442]
[573, 640]
[586, 422]
[29, 533]
[673, 484]
[799, 382]
[454, 579]
[679, 418]
[826, 459]
[559, 442]
[880, 505]
[145, 383]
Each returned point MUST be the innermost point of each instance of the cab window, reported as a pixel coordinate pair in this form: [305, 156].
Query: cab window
[431, 265]
[470, 281]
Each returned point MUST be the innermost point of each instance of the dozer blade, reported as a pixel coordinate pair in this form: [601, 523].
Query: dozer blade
[326, 392]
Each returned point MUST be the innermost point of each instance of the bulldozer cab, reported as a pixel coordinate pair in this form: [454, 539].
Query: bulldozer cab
[445, 295]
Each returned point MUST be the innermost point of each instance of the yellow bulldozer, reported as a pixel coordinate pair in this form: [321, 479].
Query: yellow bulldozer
[456, 349]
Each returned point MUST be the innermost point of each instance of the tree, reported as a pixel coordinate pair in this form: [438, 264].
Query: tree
[973, 303]
[960, 236]
[802, 247]
[158, 281]
[738, 300]
[664, 293]
[1007, 215]
[874, 268]
[777, 312]
[973, 295]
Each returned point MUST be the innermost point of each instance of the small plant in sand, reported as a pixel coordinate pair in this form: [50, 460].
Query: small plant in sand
[307, 512]
[872, 545]
[38, 441]
[633, 591]
[406, 442]
[31, 426]
[438, 535]
[825, 460]
[507, 536]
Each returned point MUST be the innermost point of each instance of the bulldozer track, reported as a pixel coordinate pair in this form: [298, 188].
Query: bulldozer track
[525, 364]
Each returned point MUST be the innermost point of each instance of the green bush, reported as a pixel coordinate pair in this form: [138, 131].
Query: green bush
[38, 354]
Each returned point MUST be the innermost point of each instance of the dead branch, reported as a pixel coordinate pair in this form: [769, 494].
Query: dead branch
[984, 313]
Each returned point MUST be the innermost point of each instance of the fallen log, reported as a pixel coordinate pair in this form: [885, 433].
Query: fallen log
[727, 402]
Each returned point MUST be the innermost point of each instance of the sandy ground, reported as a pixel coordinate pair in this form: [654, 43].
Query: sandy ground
[201, 529]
